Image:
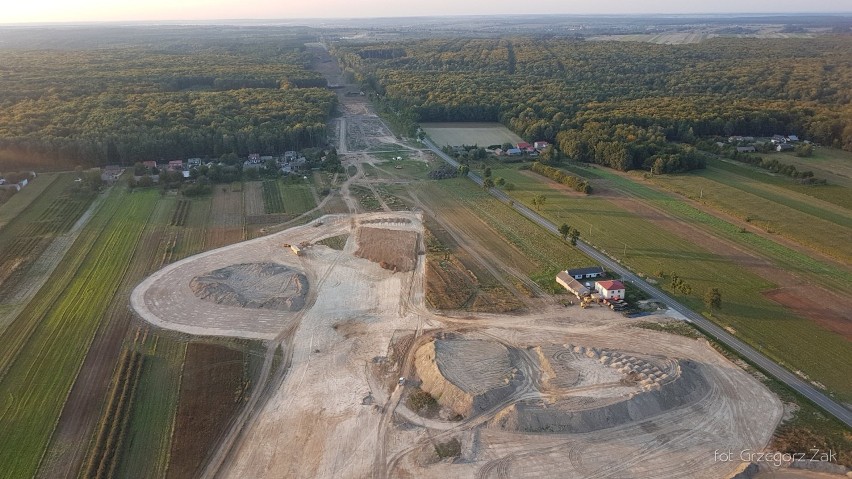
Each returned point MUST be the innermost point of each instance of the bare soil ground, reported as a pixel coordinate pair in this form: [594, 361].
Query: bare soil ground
[317, 422]
[227, 218]
[395, 250]
[211, 391]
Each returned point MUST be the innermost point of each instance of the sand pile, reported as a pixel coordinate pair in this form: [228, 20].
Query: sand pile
[467, 376]
[579, 414]
[253, 285]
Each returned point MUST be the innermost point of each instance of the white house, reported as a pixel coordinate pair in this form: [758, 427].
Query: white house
[611, 289]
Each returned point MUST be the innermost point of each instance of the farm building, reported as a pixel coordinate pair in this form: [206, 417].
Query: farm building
[778, 139]
[792, 138]
[572, 285]
[784, 147]
[254, 157]
[194, 162]
[746, 149]
[586, 273]
[513, 151]
[111, 173]
[610, 289]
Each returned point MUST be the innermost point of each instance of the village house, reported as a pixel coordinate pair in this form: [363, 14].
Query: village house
[149, 164]
[523, 145]
[540, 145]
[193, 162]
[513, 151]
[176, 165]
[610, 289]
[784, 147]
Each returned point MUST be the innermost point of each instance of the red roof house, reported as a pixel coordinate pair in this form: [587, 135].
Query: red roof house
[610, 289]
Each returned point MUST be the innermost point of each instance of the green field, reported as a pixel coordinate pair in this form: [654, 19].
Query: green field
[20, 200]
[37, 381]
[481, 134]
[830, 163]
[298, 198]
[152, 414]
[649, 249]
[822, 226]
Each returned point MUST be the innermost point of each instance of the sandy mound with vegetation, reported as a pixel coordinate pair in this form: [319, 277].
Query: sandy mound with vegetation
[253, 285]
[467, 376]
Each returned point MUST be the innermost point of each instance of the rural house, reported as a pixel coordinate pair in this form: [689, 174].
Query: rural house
[513, 151]
[523, 145]
[746, 149]
[176, 165]
[586, 273]
[784, 147]
[149, 164]
[610, 289]
[540, 145]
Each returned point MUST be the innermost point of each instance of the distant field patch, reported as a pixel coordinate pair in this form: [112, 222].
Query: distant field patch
[482, 134]
[678, 38]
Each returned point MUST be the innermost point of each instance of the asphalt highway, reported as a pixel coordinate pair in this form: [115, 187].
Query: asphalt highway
[769, 366]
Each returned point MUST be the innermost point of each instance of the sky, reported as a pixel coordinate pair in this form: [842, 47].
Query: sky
[27, 11]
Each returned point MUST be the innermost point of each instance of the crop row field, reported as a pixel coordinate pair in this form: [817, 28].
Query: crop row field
[22, 199]
[38, 379]
[652, 250]
[503, 233]
[823, 227]
[831, 193]
[28, 234]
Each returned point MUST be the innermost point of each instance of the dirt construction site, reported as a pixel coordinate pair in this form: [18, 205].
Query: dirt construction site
[577, 394]
[362, 379]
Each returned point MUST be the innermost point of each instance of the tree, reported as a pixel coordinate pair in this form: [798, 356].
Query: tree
[564, 231]
[487, 172]
[510, 187]
[500, 181]
[713, 298]
[488, 183]
[575, 234]
[538, 201]
[464, 170]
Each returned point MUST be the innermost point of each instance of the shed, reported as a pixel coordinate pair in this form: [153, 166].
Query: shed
[586, 273]
[572, 285]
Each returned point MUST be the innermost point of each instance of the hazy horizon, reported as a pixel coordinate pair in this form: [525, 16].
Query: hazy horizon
[85, 11]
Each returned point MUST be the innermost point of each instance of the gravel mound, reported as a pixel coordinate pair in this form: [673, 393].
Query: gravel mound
[253, 285]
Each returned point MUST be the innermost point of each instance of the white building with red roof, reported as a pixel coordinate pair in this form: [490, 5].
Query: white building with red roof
[610, 289]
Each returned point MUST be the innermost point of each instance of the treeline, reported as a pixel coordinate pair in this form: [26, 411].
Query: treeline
[160, 101]
[541, 87]
[775, 166]
[559, 176]
[627, 147]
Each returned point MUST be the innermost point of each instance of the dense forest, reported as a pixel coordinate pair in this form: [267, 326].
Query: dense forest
[170, 97]
[545, 88]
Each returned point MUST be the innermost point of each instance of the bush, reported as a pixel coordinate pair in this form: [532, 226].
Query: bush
[451, 448]
[420, 401]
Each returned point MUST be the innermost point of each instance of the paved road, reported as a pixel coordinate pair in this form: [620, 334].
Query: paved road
[769, 366]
